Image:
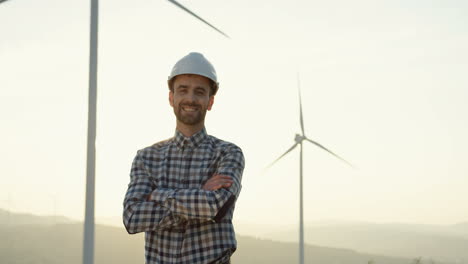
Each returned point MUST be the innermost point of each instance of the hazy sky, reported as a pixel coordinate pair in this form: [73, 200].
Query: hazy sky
[384, 85]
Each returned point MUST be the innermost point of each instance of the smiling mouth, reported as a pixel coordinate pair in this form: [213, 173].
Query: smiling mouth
[187, 108]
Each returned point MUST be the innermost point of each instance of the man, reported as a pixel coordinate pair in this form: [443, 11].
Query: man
[182, 190]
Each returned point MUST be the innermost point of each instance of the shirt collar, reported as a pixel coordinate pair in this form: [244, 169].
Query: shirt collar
[193, 141]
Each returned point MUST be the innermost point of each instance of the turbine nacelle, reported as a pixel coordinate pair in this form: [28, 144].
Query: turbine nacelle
[299, 138]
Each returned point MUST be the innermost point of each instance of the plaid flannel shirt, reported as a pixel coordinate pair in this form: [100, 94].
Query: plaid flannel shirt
[182, 222]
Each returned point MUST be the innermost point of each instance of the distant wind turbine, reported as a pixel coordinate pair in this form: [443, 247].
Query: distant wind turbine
[299, 140]
[88, 241]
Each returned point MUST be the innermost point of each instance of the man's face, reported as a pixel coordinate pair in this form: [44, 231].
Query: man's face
[191, 98]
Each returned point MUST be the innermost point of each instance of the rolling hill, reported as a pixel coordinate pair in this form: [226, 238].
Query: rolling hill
[45, 241]
[442, 243]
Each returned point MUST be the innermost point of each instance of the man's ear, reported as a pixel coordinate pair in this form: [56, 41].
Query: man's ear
[211, 102]
[171, 98]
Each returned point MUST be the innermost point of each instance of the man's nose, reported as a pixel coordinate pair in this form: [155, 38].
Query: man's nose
[190, 97]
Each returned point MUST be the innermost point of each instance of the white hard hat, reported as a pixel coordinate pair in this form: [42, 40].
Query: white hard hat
[195, 63]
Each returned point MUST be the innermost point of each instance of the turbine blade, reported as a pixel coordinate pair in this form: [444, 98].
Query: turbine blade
[329, 151]
[195, 15]
[300, 105]
[284, 154]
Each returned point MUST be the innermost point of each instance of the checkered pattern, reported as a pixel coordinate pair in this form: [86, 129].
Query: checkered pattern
[183, 223]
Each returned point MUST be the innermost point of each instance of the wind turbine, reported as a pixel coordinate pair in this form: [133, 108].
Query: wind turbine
[88, 241]
[299, 139]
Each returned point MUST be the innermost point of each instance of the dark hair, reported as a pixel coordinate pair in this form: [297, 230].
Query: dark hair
[213, 85]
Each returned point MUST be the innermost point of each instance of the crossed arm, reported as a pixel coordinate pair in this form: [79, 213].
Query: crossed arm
[148, 207]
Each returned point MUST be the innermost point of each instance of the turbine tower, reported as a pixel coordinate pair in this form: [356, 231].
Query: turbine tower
[88, 241]
[299, 139]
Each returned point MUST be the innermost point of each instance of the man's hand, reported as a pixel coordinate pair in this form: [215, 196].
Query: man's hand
[218, 181]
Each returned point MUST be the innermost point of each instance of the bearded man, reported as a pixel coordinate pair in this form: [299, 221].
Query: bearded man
[182, 191]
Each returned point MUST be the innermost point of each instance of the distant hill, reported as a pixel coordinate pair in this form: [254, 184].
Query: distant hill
[257, 251]
[14, 218]
[443, 243]
[460, 228]
[62, 243]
